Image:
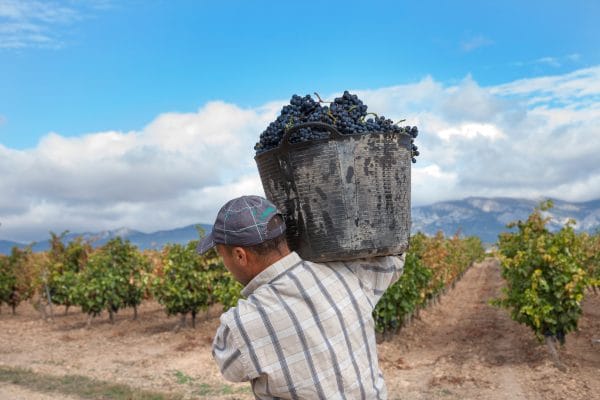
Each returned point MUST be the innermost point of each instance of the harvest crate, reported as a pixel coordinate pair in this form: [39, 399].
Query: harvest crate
[344, 197]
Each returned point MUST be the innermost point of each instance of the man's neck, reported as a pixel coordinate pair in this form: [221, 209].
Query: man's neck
[270, 259]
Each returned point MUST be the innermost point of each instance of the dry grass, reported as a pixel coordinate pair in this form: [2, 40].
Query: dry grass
[77, 385]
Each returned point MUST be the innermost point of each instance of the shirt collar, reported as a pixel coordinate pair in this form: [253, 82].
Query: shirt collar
[271, 272]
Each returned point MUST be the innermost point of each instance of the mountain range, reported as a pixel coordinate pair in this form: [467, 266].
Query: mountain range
[154, 240]
[487, 217]
[473, 216]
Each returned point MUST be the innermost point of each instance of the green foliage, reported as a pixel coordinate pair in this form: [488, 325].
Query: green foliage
[432, 264]
[471, 250]
[114, 278]
[545, 276]
[16, 278]
[118, 276]
[227, 290]
[591, 250]
[133, 269]
[402, 298]
[63, 288]
[62, 268]
[189, 282]
[7, 280]
[98, 287]
[447, 258]
[183, 286]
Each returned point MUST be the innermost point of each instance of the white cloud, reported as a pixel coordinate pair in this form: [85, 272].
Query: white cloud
[31, 23]
[164, 175]
[470, 131]
[431, 183]
[573, 86]
[495, 141]
[180, 168]
[551, 61]
[555, 62]
[47, 11]
[475, 42]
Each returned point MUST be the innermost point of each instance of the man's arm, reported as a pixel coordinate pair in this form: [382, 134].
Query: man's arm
[228, 355]
[377, 274]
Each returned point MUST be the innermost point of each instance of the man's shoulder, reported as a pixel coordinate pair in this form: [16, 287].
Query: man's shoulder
[233, 316]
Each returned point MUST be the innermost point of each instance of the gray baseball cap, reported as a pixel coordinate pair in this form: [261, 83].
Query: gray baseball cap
[242, 222]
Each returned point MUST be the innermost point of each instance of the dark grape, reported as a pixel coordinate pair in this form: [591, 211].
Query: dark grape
[348, 114]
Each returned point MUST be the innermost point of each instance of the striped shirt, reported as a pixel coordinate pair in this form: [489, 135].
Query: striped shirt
[306, 331]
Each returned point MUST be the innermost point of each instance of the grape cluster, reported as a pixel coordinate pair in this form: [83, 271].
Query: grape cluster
[348, 114]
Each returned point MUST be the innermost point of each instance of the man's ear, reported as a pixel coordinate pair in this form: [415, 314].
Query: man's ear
[241, 256]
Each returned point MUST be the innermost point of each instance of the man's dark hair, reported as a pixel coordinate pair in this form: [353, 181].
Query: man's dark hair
[277, 244]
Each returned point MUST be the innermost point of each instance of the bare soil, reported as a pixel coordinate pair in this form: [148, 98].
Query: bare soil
[460, 348]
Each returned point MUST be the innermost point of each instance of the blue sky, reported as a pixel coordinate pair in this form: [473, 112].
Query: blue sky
[116, 66]
[148, 82]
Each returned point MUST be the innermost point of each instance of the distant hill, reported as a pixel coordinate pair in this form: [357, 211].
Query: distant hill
[7, 245]
[473, 216]
[154, 240]
[487, 217]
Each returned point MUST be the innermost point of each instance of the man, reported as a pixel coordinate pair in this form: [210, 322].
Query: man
[305, 330]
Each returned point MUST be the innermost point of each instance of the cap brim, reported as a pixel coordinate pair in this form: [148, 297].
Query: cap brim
[205, 244]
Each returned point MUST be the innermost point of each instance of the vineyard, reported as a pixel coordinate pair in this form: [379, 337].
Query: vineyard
[117, 276]
[125, 313]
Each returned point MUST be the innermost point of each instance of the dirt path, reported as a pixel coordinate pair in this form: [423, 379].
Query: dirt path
[459, 349]
[465, 349]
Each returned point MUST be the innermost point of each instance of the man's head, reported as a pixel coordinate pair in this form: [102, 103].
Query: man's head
[249, 234]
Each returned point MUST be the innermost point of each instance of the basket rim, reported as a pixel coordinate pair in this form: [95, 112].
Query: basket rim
[339, 137]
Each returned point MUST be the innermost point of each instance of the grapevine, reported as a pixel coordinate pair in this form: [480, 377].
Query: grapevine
[112, 279]
[16, 280]
[545, 277]
[432, 265]
[183, 286]
[403, 297]
[591, 248]
[117, 276]
[63, 263]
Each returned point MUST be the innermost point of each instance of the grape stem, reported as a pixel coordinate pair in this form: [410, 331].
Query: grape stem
[362, 119]
[289, 124]
[332, 116]
[321, 100]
